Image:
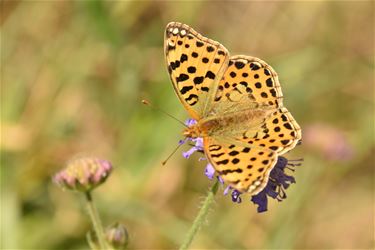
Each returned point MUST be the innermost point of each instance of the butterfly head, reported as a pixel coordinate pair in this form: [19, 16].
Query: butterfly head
[192, 129]
[192, 132]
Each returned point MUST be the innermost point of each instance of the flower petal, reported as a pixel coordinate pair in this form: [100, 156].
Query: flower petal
[209, 171]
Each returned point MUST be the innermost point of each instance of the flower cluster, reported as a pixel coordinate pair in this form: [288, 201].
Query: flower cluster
[83, 174]
[278, 181]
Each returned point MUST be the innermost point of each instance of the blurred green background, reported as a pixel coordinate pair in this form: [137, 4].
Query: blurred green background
[72, 77]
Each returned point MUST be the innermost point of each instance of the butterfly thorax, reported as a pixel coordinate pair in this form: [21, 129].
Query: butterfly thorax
[192, 131]
[218, 124]
[201, 129]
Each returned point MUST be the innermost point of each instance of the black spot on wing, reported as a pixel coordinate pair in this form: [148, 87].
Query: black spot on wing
[214, 148]
[239, 65]
[210, 48]
[253, 66]
[223, 162]
[182, 77]
[288, 126]
[192, 99]
[220, 52]
[243, 83]
[186, 89]
[246, 150]
[235, 160]
[233, 153]
[191, 69]
[273, 92]
[228, 171]
[210, 75]
[285, 142]
[198, 79]
[170, 47]
[217, 155]
[183, 58]
[175, 64]
[269, 82]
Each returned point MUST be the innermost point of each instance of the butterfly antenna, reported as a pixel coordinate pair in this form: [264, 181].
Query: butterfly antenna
[174, 151]
[145, 102]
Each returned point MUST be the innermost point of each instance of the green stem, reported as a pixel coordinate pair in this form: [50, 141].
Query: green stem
[201, 217]
[98, 228]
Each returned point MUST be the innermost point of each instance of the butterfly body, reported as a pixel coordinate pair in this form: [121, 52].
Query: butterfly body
[237, 104]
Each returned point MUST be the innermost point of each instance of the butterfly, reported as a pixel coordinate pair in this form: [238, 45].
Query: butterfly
[237, 103]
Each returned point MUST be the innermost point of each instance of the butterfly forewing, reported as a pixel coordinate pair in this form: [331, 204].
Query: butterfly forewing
[195, 65]
[248, 81]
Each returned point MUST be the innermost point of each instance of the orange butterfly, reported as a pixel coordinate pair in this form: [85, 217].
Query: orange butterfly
[237, 103]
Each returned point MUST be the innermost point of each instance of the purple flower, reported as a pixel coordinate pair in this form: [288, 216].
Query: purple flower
[197, 147]
[190, 122]
[209, 171]
[236, 196]
[277, 183]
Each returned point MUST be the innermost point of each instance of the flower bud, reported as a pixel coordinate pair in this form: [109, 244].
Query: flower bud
[117, 236]
[83, 174]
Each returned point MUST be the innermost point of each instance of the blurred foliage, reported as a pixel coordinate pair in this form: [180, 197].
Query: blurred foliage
[72, 77]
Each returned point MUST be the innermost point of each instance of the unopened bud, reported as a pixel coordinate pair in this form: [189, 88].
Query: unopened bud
[117, 236]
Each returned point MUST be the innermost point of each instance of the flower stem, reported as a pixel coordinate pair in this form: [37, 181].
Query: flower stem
[98, 228]
[201, 217]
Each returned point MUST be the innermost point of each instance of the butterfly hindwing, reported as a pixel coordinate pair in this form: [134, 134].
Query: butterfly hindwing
[279, 132]
[242, 167]
[195, 65]
[251, 86]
